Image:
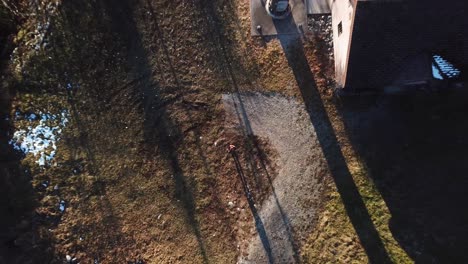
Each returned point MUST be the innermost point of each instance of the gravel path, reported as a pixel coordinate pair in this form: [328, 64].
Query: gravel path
[289, 213]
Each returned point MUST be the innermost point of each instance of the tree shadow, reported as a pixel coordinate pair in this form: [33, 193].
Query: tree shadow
[253, 150]
[284, 217]
[414, 147]
[161, 134]
[70, 66]
[7, 33]
[109, 227]
[226, 60]
[189, 107]
[350, 196]
[20, 238]
[258, 221]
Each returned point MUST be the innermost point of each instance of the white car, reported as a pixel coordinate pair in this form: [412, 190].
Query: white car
[277, 8]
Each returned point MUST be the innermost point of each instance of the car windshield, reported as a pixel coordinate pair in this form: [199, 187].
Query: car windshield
[281, 6]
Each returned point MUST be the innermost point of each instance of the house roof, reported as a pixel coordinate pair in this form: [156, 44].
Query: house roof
[388, 34]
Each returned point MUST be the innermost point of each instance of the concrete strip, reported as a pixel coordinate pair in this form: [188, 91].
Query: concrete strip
[316, 7]
[271, 27]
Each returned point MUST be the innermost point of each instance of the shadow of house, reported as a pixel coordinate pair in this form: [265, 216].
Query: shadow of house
[414, 149]
[392, 43]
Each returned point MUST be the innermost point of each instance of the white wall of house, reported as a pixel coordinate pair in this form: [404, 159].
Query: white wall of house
[342, 22]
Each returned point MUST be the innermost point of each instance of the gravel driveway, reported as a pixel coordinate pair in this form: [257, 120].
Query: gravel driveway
[289, 213]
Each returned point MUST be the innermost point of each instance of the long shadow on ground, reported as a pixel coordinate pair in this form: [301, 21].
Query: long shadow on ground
[68, 66]
[345, 184]
[225, 60]
[258, 221]
[160, 132]
[19, 240]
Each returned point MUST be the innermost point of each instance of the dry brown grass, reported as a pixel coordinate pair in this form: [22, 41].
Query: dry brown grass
[151, 183]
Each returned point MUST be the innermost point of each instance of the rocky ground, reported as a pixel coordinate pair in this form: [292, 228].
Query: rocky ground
[291, 210]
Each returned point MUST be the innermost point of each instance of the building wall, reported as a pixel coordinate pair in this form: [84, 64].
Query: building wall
[342, 13]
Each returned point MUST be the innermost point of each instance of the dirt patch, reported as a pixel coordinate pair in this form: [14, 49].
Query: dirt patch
[290, 211]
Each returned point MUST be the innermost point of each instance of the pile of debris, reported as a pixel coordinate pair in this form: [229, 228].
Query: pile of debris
[321, 27]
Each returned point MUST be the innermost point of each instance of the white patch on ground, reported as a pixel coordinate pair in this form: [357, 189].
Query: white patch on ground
[40, 137]
[292, 207]
[447, 68]
[62, 206]
[436, 73]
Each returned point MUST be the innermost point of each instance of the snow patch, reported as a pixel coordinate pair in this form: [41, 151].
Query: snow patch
[40, 139]
[436, 73]
[62, 205]
[447, 69]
